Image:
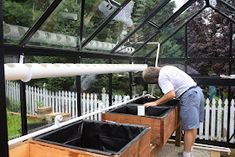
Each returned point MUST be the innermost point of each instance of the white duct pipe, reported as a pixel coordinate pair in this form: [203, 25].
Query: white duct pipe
[25, 72]
[157, 57]
[156, 64]
[157, 54]
[206, 147]
[45, 130]
[16, 32]
[19, 71]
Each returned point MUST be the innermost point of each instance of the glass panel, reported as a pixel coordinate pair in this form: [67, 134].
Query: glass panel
[138, 82]
[96, 12]
[230, 2]
[121, 80]
[225, 8]
[216, 92]
[233, 44]
[210, 68]
[13, 109]
[147, 30]
[152, 45]
[20, 15]
[11, 59]
[208, 35]
[49, 97]
[165, 13]
[178, 63]
[61, 29]
[94, 83]
[34, 120]
[117, 29]
[233, 67]
[173, 46]
[53, 84]
[233, 92]
[35, 89]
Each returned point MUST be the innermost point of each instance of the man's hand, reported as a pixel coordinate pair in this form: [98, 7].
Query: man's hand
[154, 103]
[168, 96]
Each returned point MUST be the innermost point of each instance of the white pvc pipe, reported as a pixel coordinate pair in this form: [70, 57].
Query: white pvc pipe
[221, 149]
[157, 54]
[25, 72]
[31, 135]
[207, 147]
[156, 63]
[19, 71]
[152, 43]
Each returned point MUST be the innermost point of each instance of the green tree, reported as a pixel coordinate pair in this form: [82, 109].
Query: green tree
[18, 13]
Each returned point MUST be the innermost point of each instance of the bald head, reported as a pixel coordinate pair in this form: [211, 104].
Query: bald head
[150, 74]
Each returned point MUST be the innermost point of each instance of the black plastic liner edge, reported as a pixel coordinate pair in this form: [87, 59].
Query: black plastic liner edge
[145, 129]
[170, 105]
[149, 112]
[146, 99]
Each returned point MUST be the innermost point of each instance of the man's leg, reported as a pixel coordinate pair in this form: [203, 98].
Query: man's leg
[189, 139]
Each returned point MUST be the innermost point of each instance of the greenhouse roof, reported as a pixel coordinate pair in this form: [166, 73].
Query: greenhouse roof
[118, 28]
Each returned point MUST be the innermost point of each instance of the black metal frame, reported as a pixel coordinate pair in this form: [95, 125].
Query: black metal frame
[39, 22]
[176, 31]
[78, 88]
[227, 4]
[3, 115]
[81, 23]
[110, 85]
[23, 108]
[103, 24]
[154, 11]
[130, 80]
[166, 23]
[80, 52]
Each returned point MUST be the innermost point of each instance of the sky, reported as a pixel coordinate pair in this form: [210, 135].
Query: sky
[179, 3]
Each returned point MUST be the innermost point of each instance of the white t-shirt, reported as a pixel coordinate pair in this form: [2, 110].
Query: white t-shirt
[172, 78]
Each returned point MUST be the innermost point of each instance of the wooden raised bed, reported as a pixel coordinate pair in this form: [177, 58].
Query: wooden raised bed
[126, 141]
[44, 110]
[163, 124]
[34, 148]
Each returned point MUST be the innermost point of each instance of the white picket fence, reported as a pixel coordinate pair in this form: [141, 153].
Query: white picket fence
[214, 127]
[60, 101]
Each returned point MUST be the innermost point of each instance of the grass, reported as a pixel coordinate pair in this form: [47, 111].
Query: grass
[14, 124]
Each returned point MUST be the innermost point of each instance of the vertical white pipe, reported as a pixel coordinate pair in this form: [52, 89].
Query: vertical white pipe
[157, 55]
[156, 64]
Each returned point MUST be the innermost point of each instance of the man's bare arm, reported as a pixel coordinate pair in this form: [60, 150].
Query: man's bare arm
[165, 98]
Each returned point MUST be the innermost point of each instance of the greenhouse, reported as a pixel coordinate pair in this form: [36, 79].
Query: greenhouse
[73, 77]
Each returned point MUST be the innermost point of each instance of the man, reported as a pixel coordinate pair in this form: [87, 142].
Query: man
[175, 83]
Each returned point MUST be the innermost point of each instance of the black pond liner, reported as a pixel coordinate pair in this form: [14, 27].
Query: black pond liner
[95, 136]
[153, 111]
[144, 100]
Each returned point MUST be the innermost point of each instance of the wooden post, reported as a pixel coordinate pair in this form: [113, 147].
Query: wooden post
[178, 136]
[215, 154]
